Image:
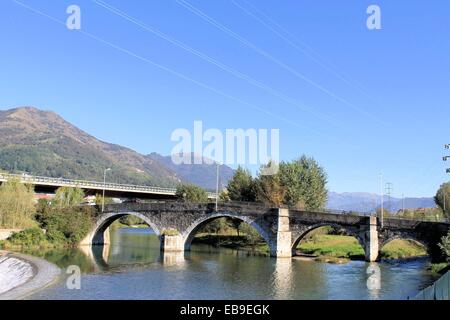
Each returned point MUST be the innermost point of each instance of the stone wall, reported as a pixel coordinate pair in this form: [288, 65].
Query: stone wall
[6, 233]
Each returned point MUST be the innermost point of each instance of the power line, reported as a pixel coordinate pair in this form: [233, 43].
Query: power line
[304, 49]
[445, 158]
[215, 62]
[267, 55]
[181, 75]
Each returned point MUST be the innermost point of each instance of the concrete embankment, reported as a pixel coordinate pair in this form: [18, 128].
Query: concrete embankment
[440, 290]
[22, 275]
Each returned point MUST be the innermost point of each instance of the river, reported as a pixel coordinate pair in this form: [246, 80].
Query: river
[132, 267]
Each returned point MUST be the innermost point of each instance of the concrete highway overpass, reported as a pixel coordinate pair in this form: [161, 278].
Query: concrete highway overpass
[116, 190]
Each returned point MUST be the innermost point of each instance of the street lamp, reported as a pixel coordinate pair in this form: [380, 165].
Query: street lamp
[104, 187]
[217, 187]
[382, 202]
[445, 158]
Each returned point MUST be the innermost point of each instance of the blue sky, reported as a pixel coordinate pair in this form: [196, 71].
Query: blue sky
[359, 101]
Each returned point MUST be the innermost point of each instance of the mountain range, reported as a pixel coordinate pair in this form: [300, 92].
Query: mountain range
[204, 175]
[369, 202]
[43, 143]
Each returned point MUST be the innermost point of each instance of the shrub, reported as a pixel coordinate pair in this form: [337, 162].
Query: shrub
[445, 245]
[27, 237]
[66, 197]
[170, 232]
[66, 225]
[131, 220]
[251, 235]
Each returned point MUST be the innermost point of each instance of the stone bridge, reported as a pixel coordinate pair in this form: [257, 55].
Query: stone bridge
[176, 224]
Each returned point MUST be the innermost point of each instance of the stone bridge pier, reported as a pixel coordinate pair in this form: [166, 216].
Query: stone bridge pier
[177, 223]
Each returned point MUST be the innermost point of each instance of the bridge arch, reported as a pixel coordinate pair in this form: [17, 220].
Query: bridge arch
[97, 235]
[348, 231]
[189, 233]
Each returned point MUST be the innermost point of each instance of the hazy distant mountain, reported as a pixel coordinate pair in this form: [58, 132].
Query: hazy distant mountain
[367, 202]
[410, 203]
[357, 201]
[43, 143]
[204, 175]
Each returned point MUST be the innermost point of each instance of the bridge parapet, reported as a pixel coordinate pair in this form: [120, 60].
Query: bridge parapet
[413, 224]
[185, 207]
[325, 217]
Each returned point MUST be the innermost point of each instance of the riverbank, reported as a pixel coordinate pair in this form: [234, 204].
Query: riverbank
[325, 248]
[23, 275]
[230, 241]
[336, 246]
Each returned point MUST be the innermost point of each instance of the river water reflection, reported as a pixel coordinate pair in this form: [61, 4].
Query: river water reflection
[132, 267]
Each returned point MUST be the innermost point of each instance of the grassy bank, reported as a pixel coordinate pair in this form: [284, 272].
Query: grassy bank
[402, 249]
[326, 245]
[118, 224]
[332, 246]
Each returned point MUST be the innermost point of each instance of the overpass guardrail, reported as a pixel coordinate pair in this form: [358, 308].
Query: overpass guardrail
[86, 184]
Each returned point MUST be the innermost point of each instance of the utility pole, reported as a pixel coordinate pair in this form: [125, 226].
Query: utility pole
[403, 204]
[389, 190]
[382, 202]
[445, 158]
[445, 210]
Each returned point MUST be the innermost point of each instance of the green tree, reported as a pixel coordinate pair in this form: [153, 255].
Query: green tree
[445, 245]
[444, 193]
[236, 224]
[242, 187]
[17, 207]
[305, 183]
[99, 200]
[251, 235]
[191, 193]
[217, 226]
[68, 197]
[224, 196]
[269, 190]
